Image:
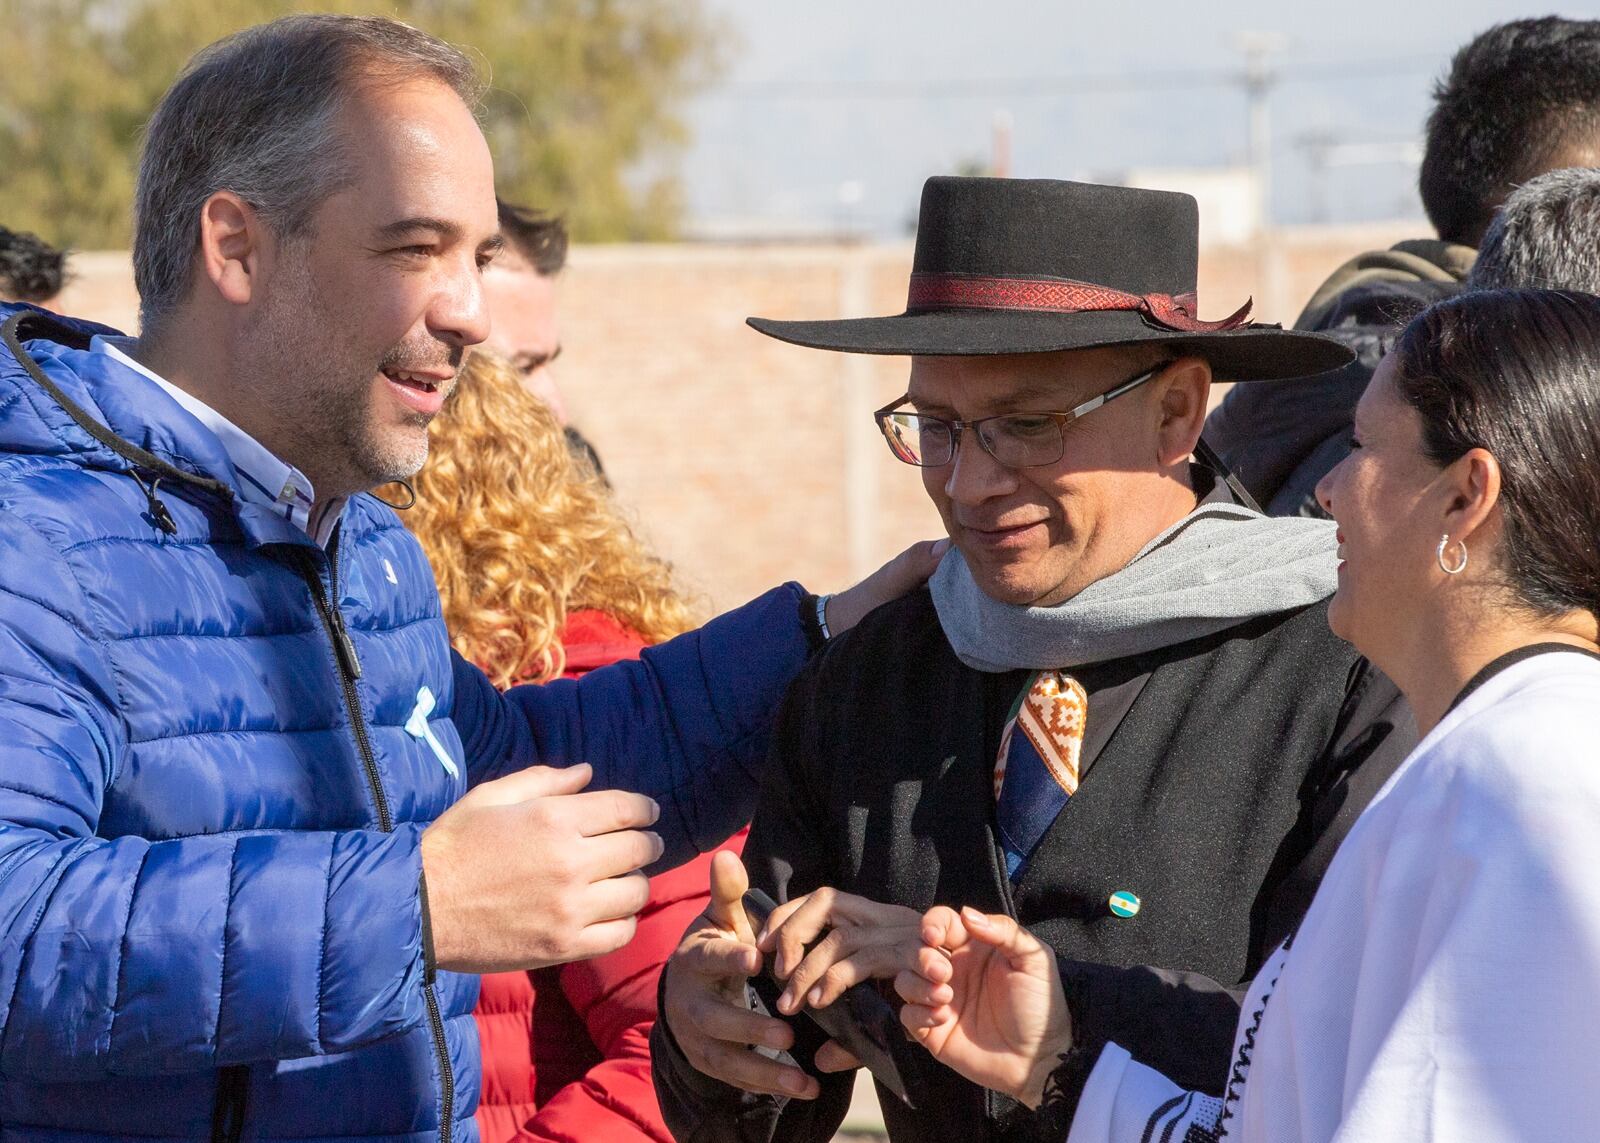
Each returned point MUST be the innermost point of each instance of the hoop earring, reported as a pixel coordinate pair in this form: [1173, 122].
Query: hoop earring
[1452, 569]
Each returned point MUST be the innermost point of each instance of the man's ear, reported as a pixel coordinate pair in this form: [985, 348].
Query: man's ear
[231, 238]
[1185, 387]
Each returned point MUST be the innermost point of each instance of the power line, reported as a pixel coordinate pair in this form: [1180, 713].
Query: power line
[1052, 86]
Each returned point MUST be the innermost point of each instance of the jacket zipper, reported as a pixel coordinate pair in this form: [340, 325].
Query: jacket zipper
[447, 1080]
[228, 1114]
[344, 651]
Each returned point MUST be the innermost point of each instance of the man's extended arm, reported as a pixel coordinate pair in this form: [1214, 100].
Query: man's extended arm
[687, 724]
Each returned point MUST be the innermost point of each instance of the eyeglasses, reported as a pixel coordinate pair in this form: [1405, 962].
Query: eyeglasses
[1016, 440]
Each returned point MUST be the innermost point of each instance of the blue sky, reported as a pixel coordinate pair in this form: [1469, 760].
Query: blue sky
[882, 93]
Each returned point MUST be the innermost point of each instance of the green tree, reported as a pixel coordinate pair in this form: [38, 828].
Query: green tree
[583, 112]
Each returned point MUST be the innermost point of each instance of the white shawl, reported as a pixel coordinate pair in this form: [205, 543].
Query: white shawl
[1445, 984]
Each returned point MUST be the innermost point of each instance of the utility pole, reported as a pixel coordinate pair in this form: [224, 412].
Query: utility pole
[1258, 78]
[1319, 145]
[1000, 144]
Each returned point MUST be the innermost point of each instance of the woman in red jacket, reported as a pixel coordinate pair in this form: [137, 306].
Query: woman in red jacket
[541, 577]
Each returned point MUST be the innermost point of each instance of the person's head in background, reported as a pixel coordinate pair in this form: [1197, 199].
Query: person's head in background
[31, 270]
[1546, 235]
[520, 290]
[522, 534]
[1520, 99]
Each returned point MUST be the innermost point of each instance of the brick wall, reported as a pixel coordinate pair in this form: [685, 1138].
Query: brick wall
[749, 461]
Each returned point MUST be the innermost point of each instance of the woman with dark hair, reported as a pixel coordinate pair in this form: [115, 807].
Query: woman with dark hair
[1445, 984]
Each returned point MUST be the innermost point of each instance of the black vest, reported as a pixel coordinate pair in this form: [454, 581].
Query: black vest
[881, 784]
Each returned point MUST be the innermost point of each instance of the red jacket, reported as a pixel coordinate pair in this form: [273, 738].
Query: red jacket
[566, 1050]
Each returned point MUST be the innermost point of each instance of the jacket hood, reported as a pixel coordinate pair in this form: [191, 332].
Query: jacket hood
[1435, 266]
[60, 399]
[101, 413]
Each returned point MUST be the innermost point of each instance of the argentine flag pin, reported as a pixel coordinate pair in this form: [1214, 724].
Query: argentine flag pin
[1123, 903]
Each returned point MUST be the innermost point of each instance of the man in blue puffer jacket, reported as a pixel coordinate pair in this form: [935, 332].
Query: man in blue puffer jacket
[238, 858]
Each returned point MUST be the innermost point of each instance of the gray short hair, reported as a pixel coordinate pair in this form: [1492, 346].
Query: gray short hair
[1547, 235]
[255, 113]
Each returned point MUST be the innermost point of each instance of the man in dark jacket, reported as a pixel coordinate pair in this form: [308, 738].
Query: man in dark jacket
[1520, 99]
[1118, 713]
[243, 883]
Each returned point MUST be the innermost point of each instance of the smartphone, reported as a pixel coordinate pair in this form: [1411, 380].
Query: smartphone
[861, 1021]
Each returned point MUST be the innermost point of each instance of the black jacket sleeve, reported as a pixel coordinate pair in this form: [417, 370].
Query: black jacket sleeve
[1376, 732]
[791, 820]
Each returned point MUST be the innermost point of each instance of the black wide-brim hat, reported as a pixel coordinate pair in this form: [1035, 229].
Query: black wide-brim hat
[1038, 266]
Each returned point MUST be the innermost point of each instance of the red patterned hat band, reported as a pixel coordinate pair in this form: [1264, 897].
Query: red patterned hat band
[1061, 296]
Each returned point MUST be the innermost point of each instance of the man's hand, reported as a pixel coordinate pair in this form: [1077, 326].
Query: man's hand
[906, 572]
[986, 1000]
[703, 999]
[526, 872]
[864, 940]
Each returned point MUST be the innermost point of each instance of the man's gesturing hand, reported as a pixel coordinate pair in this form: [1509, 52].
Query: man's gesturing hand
[828, 941]
[703, 999]
[527, 871]
[986, 999]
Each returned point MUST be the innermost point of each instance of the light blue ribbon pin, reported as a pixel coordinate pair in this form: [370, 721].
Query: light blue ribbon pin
[417, 726]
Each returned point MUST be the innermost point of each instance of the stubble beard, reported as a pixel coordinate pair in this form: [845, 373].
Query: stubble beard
[372, 458]
[329, 399]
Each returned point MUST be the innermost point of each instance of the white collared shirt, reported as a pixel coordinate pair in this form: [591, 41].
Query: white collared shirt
[264, 480]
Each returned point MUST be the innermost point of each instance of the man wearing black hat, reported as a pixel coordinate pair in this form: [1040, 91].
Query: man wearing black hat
[1117, 713]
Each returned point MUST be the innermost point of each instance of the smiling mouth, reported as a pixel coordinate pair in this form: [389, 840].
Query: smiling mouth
[417, 381]
[1001, 536]
[421, 393]
[999, 528]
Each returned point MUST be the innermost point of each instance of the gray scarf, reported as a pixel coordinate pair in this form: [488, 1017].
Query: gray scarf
[1216, 568]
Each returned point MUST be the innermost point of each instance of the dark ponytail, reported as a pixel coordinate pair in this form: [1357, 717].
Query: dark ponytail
[1517, 372]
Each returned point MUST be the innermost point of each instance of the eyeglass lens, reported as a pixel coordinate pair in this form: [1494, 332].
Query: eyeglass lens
[1018, 439]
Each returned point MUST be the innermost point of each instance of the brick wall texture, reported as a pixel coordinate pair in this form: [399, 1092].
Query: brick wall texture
[745, 460]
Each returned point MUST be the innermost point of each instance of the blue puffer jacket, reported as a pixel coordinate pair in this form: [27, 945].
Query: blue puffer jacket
[214, 776]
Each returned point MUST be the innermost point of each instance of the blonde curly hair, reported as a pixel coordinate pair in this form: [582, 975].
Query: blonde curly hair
[521, 533]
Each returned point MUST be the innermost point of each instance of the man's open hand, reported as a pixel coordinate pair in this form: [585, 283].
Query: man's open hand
[986, 999]
[905, 572]
[527, 871]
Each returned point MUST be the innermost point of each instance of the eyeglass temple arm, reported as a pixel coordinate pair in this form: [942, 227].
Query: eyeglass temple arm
[1131, 383]
[1207, 456]
[1203, 452]
[1112, 394]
